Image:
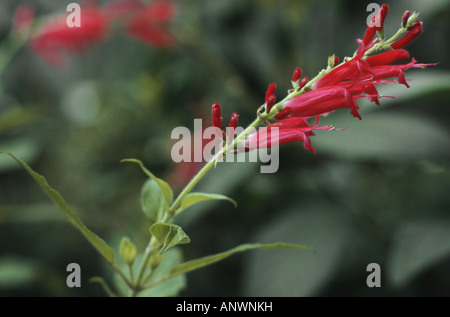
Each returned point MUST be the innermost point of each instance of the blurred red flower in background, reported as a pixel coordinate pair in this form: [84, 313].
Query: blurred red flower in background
[23, 17]
[56, 38]
[146, 22]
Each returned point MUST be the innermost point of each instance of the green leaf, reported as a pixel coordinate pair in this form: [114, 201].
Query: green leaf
[103, 284]
[211, 259]
[165, 187]
[283, 273]
[193, 198]
[25, 148]
[223, 179]
[100, 245]
[169, 235]
[416, 246]
[152, 200]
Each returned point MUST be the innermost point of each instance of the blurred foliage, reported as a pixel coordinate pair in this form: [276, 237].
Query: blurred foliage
[377, 192]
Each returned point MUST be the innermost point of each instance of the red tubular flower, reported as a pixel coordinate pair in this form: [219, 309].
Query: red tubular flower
[410, 36]
[386, 71]
[294, 122]
[56, 39]
[341, 86]
[267, 137]
[323, 100]
[284, 131]
[388, 57]
[357, 70]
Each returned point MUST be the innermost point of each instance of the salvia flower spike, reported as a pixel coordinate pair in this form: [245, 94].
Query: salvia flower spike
[340, 85]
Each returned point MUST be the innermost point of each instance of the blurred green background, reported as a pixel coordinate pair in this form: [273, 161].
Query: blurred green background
[375, 193]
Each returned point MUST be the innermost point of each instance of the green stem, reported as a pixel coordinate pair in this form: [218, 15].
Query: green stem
[121, 274]
[201, 173]
[153, 244]
[262, 117]
[8, 49]
[130, 270]
[151, 247]
[386, 43]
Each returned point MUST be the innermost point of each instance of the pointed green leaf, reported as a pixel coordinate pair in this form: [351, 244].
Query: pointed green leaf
[100, 245]
[152, 200]
[165, 187]
[103, 284]
[193, 198]
[169, 235]
[320, 225]
[211, 259]
[416, 246]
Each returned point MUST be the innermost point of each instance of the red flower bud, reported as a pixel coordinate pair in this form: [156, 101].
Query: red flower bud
[270, 90]
[296, 75]
[387, 57]
[336, 60]
[270, 102]
[383, 13]
[303, 82]
[405, 17]
[283, 113]
[415, 30]
[233, 125]
[23, 17]
[216, 115]
[234, 120]
[416, 23]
